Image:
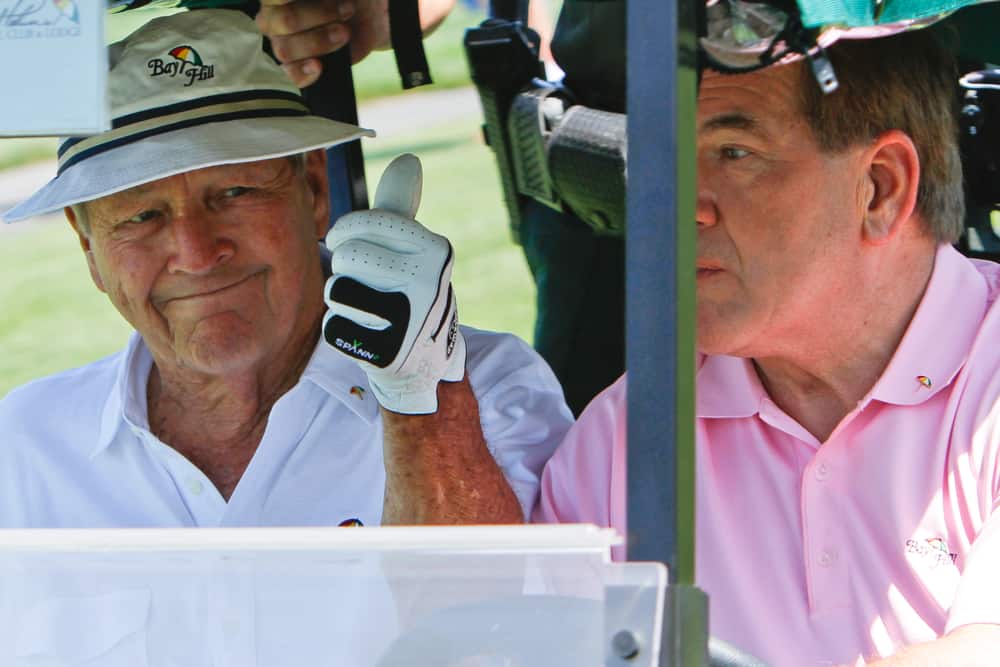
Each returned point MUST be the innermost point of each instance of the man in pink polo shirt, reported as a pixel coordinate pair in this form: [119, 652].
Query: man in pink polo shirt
[848, 374]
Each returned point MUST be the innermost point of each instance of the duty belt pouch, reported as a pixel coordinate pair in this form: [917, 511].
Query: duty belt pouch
[547, 148]
[533, 114]
[587, 157]
[569, 158]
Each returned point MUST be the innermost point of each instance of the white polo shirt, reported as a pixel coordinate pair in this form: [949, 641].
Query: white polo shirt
[76, 449]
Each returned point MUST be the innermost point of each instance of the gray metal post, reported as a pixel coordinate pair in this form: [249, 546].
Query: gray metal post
[660, 248]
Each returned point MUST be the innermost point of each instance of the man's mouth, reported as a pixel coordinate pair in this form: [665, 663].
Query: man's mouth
[707, 270]
[210, 289]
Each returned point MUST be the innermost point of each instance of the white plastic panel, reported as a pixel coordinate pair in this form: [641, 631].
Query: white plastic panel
[503, 596]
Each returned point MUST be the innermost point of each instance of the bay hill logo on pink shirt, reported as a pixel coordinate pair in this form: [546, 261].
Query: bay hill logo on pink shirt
[933, 551]
[184, 61]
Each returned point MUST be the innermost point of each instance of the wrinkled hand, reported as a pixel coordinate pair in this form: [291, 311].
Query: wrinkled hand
[391, 306]
[303, 30]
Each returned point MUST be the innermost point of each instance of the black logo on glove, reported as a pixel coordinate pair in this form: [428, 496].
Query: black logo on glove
[378, 348]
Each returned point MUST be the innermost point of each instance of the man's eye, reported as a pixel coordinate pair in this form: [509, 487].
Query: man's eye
[237, 191]
[734, 153]
[145, 216]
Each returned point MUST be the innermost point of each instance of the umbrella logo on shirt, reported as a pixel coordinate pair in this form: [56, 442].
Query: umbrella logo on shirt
[933, 551]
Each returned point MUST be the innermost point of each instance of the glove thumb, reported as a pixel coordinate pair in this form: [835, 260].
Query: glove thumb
[399, 188]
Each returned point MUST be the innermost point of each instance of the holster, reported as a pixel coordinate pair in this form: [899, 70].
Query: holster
[547, 147]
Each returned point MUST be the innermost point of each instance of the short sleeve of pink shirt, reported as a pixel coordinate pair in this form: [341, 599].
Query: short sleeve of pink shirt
[831, 553]
[584, 482]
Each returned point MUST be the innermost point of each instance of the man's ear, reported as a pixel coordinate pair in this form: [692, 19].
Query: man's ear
[84, 236]
[319, 187]
[893, 175]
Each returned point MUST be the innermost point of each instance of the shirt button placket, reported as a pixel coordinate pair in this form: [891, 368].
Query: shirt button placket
[828, 582]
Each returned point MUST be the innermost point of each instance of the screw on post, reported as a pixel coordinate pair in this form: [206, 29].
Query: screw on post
[625, 645]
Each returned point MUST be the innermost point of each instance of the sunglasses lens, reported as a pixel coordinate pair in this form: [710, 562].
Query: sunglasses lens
[739, 32]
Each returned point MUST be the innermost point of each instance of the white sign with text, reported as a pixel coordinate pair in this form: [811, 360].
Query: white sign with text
[55, 79]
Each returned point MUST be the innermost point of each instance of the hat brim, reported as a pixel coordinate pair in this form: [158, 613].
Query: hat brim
[160, 156]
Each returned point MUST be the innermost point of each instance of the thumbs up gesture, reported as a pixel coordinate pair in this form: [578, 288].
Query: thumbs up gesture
[391, 306]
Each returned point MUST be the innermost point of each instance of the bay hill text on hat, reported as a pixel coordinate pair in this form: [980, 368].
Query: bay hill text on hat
[186, 62]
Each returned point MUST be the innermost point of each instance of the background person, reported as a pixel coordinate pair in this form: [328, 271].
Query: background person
[303, 30]
[847, 423]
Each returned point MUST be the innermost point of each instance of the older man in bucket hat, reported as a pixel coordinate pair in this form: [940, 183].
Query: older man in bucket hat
[199, 215]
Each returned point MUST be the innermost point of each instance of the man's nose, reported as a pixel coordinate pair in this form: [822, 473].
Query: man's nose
[706, 212]
[199, 244]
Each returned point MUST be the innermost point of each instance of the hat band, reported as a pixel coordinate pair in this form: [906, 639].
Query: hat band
[217, 108]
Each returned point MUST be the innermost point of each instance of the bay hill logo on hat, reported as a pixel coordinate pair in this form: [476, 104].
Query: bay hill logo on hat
[244, 108]
[185, 62]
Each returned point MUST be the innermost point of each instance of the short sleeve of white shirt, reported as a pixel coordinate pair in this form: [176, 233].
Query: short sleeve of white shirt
[521, 407]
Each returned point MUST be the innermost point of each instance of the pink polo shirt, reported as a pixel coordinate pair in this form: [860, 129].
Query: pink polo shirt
[884, 536]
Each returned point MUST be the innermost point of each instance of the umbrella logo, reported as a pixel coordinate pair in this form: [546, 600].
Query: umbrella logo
[186, 54]
[68, 9]
[938, 544]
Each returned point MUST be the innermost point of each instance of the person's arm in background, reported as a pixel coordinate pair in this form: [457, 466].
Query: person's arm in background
[303, 30]
[584, 481]
[540, 20]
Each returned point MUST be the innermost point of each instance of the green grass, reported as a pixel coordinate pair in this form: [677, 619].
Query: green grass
[54, 317]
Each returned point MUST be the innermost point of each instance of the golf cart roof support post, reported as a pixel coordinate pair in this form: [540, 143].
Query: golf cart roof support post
[660, 309]
[660, 312]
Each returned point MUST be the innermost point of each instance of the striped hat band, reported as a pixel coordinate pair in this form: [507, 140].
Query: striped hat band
[216, 108]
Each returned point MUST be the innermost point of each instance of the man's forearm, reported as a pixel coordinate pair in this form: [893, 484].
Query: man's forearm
[438, 468]
[968, 646]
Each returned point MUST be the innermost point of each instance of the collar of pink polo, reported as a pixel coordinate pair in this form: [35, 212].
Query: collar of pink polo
[937, 342]
[932, 352]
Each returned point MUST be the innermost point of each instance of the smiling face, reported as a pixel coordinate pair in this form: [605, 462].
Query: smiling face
[218, 268]
[779, 221]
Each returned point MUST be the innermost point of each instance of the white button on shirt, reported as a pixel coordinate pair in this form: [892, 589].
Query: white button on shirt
[76, 451]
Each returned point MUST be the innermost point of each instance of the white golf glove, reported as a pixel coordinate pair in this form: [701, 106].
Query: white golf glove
[391, 306]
